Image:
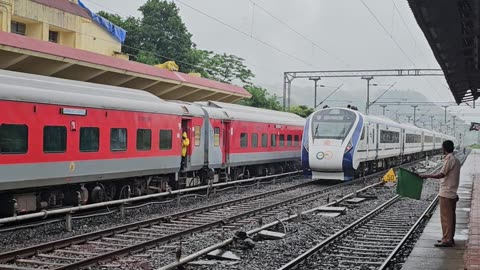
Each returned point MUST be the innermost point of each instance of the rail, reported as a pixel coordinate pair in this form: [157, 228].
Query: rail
[70, 210]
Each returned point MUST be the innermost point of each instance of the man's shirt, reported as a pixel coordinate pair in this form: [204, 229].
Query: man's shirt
[451, 170]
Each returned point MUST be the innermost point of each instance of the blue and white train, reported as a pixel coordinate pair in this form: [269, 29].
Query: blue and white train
[341, 144]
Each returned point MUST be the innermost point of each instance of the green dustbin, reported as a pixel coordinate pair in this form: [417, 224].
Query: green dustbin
[409, 184]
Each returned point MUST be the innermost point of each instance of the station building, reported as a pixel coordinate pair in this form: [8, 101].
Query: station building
[62, 38]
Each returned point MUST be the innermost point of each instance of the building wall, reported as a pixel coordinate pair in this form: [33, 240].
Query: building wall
[73, 30]
[5, 14]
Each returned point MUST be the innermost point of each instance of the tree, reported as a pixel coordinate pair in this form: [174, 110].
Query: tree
[224, 67]
[159, 36]
[261, 98]
[302, 110]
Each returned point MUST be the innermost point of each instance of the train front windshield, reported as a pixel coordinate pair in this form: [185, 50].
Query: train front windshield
[332, 124]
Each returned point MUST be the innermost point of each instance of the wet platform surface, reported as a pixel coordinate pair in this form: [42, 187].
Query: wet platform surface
[427, 257]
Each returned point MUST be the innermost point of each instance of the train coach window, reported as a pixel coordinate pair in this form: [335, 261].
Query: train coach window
[197, 135]
[118, 139]
[254, 140]
[144, 139]
[289, 140]
[89, 139]
[296, 140]
[413, 138]
[165, 139]
[282, 140]
[13, 139]
[387, 136]
[54, 139]
[216, 137]
[243, 140]
[264, 140]
[273, 140]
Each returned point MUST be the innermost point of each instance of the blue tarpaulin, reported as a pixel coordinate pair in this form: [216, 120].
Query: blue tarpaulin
[118, 32]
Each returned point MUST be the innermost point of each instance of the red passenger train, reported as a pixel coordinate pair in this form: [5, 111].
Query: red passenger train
[67, 142]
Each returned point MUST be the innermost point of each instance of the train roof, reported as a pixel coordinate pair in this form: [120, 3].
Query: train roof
[16, 86]
[227, 111]
[390, 122]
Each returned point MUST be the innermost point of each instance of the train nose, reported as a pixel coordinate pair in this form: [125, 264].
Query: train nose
[326, 158]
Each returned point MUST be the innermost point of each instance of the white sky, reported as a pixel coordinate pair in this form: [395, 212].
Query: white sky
[327, 35]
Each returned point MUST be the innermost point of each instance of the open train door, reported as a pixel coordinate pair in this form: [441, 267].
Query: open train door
[187, 127]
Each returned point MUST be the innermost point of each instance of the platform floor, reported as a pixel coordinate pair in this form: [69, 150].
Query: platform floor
[427, 257]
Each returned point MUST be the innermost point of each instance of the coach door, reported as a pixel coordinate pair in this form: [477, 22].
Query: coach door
[225, 142]
[187, 127]
[402, 142]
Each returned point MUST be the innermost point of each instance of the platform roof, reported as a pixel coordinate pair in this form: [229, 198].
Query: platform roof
[24, 54]
[452, 29]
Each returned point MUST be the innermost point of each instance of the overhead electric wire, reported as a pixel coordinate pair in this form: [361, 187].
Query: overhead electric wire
[384, 92]
[245, 33]
[394, 41]
[298, 33]
[388, 33]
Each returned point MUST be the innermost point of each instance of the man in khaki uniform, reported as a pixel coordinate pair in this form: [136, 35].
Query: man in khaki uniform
[450, 178]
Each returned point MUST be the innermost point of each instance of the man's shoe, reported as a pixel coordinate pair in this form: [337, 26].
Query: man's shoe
[442, 244]
[440, 241]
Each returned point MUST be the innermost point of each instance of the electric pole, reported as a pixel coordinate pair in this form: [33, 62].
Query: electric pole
[367, 105]
[315, 80]
[414, 113]
[445, 118]
[431, 121]
[383, 107]
[454, 131]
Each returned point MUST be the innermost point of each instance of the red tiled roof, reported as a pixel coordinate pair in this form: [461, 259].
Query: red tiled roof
[66, 6]
[34, 45]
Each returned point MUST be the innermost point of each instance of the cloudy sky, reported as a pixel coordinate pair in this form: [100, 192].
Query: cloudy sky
[274, 36]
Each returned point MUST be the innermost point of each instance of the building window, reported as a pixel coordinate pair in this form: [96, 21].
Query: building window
[197, 135]
[18, 28]
[54, 139]
[13, 139]
[264, 139]
[53, 36]
[296, 140]
[216, 137]
[165, 139]
[243, 140]
[273, 140]
[282, 140]
[144, 139]
[254, 140]
[118, 139]
[89, 139]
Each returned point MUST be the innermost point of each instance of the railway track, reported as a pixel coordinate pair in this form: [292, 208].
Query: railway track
[175, 198]
[110, 244]
[368, 243]
[104, 245]
[371, 242]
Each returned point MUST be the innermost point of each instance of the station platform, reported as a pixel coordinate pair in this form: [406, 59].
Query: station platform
[466, 253]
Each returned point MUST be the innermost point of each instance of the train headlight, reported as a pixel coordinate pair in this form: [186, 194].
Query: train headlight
[349, 147]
